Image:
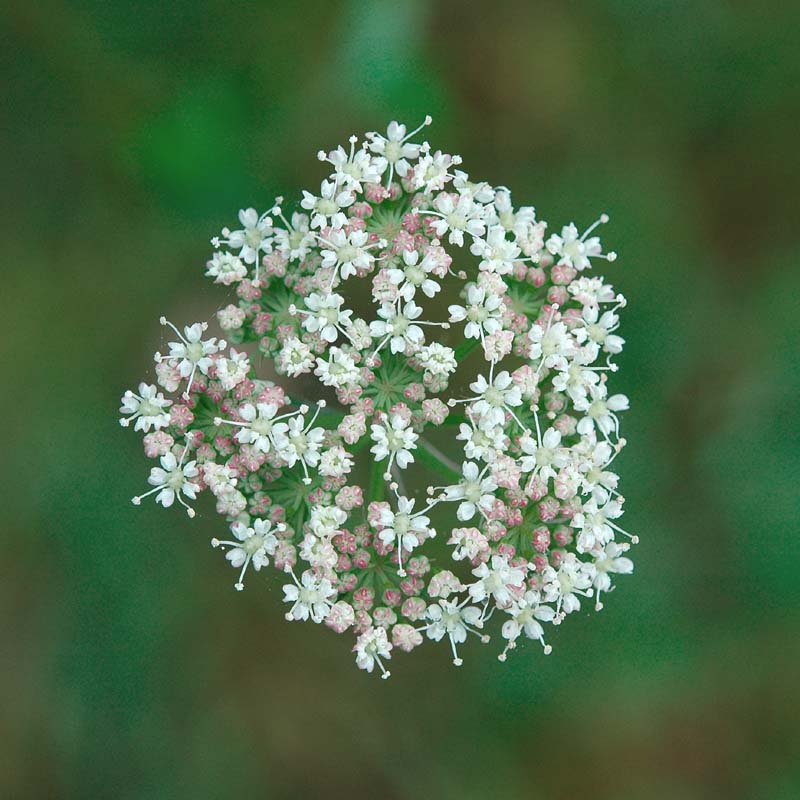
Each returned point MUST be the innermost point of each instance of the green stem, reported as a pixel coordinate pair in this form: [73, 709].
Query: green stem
[455, 418]
[432, 458]
[465, 348]
[377, 483]
[299, 521]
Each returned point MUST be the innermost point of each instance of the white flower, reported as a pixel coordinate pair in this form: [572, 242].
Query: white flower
[295, 357]
[414, 275]
[448, 618]
[551, 344]
[475, 490]
[483, 442]
[327, 208]
[371, 646]
[294, 242]
[480, 192]
[501, 581]
[254, 545]
[404, 528]
[574, 250]
[496, 252]
[482, 312]
[599, 329]
[394, 439]
[594, 524]
[326, 315]
[395, 147]
[591, 291]
[600, 411]
[545, 458]
[347, 252]
[310, 597]
[576, 380]
[564, 585]
[355, 168]
[456, 215]
[191, 353]
[325, 521]
[148, 408]
[432, 171]
[339, 370]
[470, 544]
[593, 457]
[318, 553]
[295, 441]
[397, 326]
[172, 480]
[335, 462]
[609, 560]
[256, 425]
[233, 370]
[437, 359]
[220, 478]
[526, 616]
[254, 236]
[226, 268]
[515, 222]
[530, 238]
[494, 398]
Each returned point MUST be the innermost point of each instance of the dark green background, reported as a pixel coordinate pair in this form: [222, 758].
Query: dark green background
[132, 132]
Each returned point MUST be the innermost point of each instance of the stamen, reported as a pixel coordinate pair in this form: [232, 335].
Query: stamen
[165, 321]
[240, 585]
[456, 660]
[601, 220]
[427, 121]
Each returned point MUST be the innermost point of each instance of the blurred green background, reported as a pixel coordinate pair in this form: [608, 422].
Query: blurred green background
[132, 132]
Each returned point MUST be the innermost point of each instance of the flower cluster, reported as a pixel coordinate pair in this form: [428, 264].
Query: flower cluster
[499, 399]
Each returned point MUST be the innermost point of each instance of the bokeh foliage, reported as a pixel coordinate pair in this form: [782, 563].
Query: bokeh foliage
[133, 131]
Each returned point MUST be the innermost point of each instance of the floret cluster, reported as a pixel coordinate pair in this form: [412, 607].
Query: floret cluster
[414, 469]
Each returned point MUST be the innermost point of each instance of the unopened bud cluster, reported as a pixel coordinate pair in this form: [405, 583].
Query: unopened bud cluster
[511, 511]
